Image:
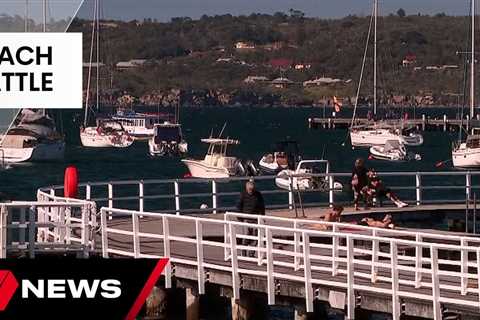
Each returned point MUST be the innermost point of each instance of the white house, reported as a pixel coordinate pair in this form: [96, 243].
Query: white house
[134, 63]
[244, 45]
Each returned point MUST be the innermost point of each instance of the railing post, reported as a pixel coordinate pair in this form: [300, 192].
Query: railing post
[395, 281]
[234, 261]
[296, 246]
[331, 193]
[110, 199]
[468, 185]
[463, 266]
[418, 188]
[103, 223]
[176, 186]
[88, 191]
[260, 241]
[31, 232]
[3, 231]
[437, 312]
[85, 229]
[334, 251]
[21, 225]
[200, 271]
[478, 275]
[226, 236]
[214, 196]
[136, 237]
[350, 279]
[290, 193]
[307, 268]
[140, 196]
[418, 261]
[166, 251]
[270, 278]
[375, 245]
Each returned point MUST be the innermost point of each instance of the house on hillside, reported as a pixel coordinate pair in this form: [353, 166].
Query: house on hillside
[255, 79]
[242, 45]
[274, 46]
[282, 83]
[323, 81]
[94, 65]
[302, 66]
[132, 64]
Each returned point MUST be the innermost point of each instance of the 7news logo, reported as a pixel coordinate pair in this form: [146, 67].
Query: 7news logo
[110, 286]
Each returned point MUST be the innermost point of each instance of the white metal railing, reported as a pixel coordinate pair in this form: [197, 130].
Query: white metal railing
[438, 268]
[219, 194]
[33, 227]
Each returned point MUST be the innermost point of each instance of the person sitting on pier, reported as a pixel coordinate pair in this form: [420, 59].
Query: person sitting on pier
[386, 222]
[376, 188]
[359, 183]
[250, 202]
[332, 215]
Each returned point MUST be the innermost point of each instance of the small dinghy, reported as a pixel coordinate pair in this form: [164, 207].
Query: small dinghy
[302, 177]
[393, 150]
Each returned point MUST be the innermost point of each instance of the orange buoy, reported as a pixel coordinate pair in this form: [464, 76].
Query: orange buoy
[70, 184]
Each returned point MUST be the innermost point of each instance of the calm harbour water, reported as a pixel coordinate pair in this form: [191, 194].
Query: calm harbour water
[256, 128]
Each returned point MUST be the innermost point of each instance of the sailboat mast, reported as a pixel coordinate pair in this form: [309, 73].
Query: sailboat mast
[98, 52]
[26, 16]
[87, 98]
[472, 65]
[44, 15]
[375, 12]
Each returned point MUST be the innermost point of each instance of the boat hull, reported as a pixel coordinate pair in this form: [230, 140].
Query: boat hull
[92, 139]
[41, 152]
[466, 158]
[370, 138]
[198, 169]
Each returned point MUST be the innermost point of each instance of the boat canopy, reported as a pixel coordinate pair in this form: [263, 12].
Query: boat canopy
[219, 141]
[473, 141]
[167, 133]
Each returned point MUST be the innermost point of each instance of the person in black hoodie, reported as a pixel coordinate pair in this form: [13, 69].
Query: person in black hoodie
[250, 202]
[359, 182]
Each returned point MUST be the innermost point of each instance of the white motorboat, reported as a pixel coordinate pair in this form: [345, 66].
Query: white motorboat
[107, 134]
[379, 134]
[167, 140]
[301, 178]
[393, 151]
[285, 155]
[216, 163]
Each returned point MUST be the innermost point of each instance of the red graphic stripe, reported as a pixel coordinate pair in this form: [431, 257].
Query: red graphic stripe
[147, 288]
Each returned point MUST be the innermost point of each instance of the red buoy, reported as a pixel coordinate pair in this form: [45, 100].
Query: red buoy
[70, 186]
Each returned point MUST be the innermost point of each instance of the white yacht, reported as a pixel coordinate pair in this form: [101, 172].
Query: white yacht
[167, 140]
[216, 163]
[107, 134]
[32, 137]
[285, 155]
[378, 134]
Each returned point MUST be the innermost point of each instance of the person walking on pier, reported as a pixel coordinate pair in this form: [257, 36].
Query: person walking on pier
[250, 202]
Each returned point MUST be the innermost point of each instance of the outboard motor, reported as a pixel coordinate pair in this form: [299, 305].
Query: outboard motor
[251, 170]
[239, 168]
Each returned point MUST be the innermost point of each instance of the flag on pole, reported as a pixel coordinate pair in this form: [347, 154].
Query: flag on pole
[337, 104]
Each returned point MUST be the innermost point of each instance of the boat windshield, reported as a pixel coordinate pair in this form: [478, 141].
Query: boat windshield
[473, 141]
[167, 134]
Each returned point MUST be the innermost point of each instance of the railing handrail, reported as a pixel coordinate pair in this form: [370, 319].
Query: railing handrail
[301, 248]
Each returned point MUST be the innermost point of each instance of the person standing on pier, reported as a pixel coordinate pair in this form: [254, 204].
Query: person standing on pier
[250, 202]
[359, 182]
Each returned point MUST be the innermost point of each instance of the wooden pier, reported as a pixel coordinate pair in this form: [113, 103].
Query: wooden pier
[425, 123]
